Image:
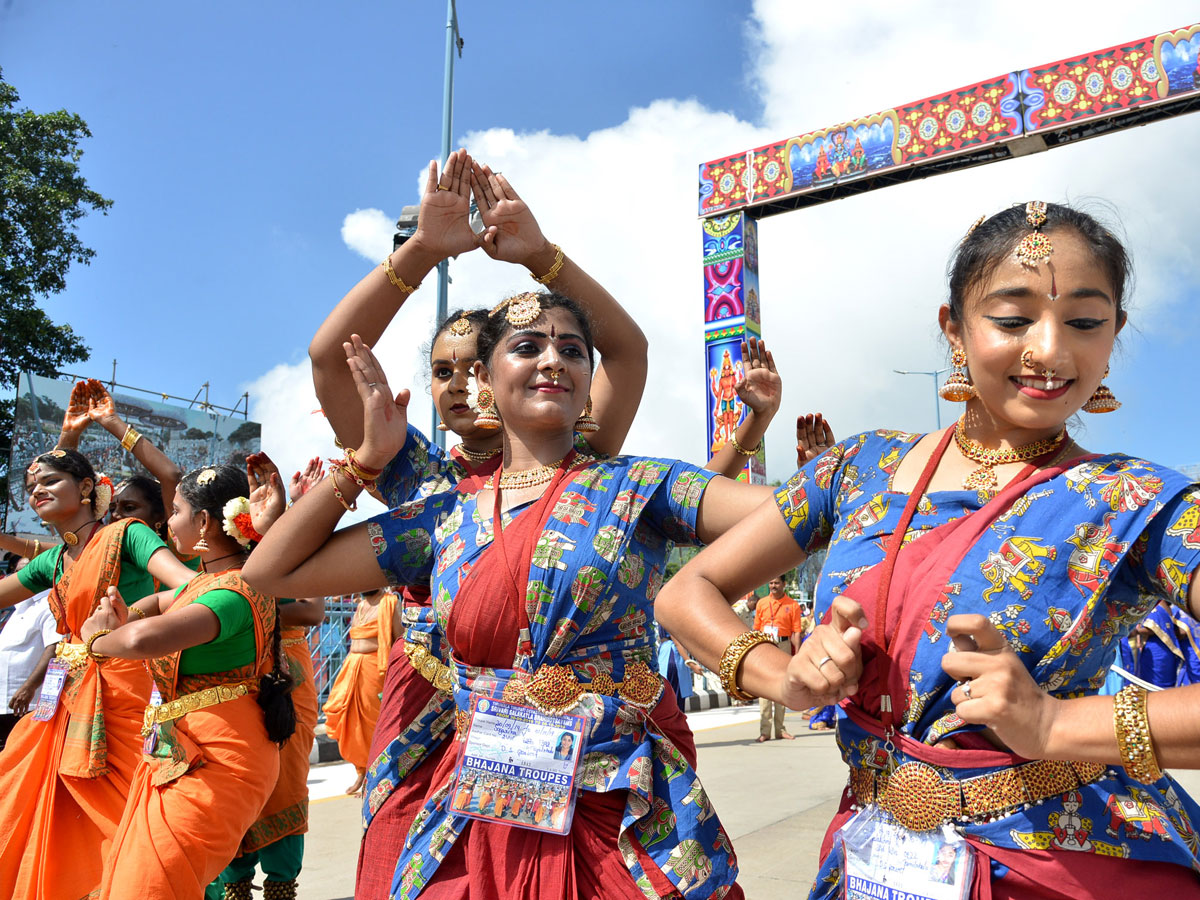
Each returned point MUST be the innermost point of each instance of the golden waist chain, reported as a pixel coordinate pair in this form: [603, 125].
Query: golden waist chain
[181, 706]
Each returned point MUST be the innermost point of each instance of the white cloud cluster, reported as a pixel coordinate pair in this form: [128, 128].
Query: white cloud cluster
[849, 290]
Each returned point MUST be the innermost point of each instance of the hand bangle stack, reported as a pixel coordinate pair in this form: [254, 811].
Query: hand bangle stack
[87, 647]
[554, 269]
[731, 661]
[132, 436]
[395, 279]
[1132, 727]
[742, 450]
[137, 612]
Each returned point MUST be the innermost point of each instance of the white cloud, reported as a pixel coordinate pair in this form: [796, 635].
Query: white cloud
[850, 289]
[368, 232]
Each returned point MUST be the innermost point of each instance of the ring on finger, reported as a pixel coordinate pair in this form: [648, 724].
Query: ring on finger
[443, 187]
[966, 686]
[824, 660]
[372, 383]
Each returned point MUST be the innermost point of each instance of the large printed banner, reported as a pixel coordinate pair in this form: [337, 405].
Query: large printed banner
[189, 437]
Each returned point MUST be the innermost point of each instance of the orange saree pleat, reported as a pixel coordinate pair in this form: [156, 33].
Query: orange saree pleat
[64, 782]
[352, 709]
[286, 811]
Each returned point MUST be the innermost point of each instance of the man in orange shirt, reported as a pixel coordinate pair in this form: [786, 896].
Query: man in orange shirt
[780, 616]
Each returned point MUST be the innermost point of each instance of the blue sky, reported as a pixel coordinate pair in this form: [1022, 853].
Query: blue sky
[257, 153]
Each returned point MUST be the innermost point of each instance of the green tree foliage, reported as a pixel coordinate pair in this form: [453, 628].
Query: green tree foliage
[42, 198]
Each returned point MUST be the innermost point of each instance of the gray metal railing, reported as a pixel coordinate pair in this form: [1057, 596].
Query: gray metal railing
[329, 643]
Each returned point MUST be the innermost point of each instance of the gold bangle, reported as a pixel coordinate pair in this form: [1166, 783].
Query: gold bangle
[138, 612]
[87, 647]
[337, 491]
[731, 661]
[1131, 724]
[37, 547]
[132, 436]
[395, 279]
[554, 269]
[742, 450]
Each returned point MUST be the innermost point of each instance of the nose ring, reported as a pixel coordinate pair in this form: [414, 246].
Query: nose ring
[1027, 360]
[554, 377]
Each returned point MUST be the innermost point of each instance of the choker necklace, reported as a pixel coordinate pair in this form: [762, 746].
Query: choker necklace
[204, 563]
[71, 538]
[527, 478]
[476, 456]
[984, 478]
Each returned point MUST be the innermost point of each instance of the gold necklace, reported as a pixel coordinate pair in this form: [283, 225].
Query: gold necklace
[477, 456]
[984, 478]
[71, 538]
[527, 478]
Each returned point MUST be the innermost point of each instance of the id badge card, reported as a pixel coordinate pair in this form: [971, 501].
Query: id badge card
[883, 859]
[771, 631]
[518, 767]
[52, 688]
[150, 741]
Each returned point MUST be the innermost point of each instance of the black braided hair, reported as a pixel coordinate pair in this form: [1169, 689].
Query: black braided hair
[275, 692]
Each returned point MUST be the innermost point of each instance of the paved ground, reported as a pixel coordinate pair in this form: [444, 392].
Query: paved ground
[775, 800]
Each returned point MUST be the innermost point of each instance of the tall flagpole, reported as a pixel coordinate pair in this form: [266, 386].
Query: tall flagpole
[454, 42]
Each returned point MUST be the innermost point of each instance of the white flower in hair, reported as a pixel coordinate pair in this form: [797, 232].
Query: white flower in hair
[104, 494]
[237, 523]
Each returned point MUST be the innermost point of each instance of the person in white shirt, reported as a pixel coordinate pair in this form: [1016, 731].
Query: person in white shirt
[27, 644]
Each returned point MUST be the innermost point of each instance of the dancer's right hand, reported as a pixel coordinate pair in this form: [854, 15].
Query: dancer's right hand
[385, 418]
[305, 481]
[828, 665]
[112, 613]
[443, 224]
[813, 437]
[77, 418]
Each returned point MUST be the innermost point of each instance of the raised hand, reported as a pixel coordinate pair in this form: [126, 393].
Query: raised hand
[267, 501]
[828, 665]
[760, 388]
[995, 689]
[101, 408]
[443, 224]
[385, 418]
[304, 481]
[77, 418]
[512, 233]
[813, 437]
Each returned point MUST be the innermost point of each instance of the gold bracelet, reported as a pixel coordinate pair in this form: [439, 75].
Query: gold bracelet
[1131, 725]
[37, 547]
[138, 612]
[364, 475]
[731, 661]
[132, 436]
[554, 269]
[337, 491]
[87, 647]
[395, 279]
[742, 450]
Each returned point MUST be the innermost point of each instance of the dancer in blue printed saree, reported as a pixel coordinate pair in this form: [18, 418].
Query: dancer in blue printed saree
[1003, 540]
[550, 607]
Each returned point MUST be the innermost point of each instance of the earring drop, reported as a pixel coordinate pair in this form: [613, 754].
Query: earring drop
[957, 388]
[201, 546]
[585, 423]
[486, 418]
[1103, 400]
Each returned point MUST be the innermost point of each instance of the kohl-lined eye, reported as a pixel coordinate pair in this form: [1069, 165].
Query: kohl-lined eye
[1010, 322]
[1086, 324]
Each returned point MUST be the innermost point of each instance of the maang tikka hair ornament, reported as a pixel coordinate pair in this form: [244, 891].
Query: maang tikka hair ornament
[520, 310]
[1035, 248]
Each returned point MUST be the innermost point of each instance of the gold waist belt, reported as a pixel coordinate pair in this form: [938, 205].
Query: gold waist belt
[74, 655]
[181, 706]
[921, 799]
[551, 689]
[292, 642]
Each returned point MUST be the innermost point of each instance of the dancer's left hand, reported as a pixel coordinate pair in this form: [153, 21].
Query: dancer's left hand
[267, 499]
[111, 613]
[511, 233]
[760, 388]
[995, 689]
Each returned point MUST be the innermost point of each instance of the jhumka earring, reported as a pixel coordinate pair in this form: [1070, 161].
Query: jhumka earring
[585, 422]
[957, 388]
[442, 426]
[1103, 400]
[486, 417]
[201, 546]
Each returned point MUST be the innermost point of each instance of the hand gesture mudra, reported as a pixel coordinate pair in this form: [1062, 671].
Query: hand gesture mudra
[100, 402]
[827, 667]
[385, 418]
[813, 437]
[511, 232]
[304, 481]
[443, 224]
[111, 613]
[267, 500]
[760, 388]
[76, 418]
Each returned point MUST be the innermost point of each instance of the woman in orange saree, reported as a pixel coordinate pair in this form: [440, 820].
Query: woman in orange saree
[66, 770]
[210, 758]
[353, 705]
